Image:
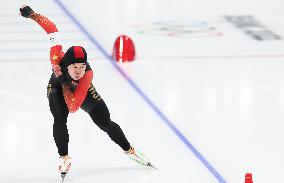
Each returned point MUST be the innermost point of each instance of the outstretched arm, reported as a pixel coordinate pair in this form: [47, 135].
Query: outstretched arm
[56, 53]
[44, 22]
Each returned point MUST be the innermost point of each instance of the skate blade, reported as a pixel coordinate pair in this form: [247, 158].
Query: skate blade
[63, 175]
[151, 166]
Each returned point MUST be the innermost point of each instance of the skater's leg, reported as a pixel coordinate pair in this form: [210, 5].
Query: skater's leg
[60, 112]
[101, 117]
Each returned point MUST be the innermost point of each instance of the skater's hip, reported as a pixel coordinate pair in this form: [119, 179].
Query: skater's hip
[91, 101]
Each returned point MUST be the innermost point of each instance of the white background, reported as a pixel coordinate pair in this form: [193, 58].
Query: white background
[224, 93]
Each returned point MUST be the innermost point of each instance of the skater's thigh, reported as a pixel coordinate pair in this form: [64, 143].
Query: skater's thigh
[57, 104]
[92, 99]
[100, 114]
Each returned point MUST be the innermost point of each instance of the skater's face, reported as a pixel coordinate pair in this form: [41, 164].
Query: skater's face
[76, 70]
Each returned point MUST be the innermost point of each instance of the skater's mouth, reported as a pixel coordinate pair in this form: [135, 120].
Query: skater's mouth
[77, 77]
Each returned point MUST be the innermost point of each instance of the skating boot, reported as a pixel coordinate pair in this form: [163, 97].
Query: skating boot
[64, 166]
[139, 157]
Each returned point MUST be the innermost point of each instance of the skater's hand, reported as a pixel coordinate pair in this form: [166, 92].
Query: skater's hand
[57, 70]
[26, 11]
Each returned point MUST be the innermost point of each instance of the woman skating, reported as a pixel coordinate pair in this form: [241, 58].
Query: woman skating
[70, 88]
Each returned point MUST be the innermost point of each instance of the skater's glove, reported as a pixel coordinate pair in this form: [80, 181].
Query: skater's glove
[26, 11]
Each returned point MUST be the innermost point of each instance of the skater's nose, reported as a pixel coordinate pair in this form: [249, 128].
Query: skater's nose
[78, 71]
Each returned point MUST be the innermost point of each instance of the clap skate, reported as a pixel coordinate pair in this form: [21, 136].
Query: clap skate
[64, 166]
[139, 158]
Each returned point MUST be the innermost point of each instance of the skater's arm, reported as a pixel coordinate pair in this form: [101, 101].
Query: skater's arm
[44, 22]
[75, 100]
[83, 86]
[56, 53]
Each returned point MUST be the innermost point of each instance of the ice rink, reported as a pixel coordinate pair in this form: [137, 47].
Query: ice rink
[204, 100]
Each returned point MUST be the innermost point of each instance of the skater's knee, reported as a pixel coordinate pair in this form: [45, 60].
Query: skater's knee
[114, 125]
[105, 125]
[109, 126]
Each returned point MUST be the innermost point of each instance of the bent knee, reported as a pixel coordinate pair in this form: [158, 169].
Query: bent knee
[105, 125]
